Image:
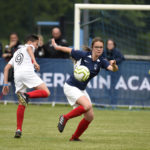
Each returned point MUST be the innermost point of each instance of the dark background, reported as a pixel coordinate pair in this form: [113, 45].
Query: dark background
[21, 17]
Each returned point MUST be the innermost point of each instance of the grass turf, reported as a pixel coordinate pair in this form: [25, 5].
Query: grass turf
[110, 130]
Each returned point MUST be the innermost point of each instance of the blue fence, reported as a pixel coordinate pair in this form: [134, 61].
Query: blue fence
[129, 86]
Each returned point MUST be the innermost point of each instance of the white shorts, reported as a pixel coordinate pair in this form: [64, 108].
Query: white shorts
[24, 80]
[73, 94]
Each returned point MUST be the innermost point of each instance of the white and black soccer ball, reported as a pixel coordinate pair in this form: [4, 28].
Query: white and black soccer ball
[81, 73]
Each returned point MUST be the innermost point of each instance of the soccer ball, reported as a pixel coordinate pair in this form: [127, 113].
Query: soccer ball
[81, 73]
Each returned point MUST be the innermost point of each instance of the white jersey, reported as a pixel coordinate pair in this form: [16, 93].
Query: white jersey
[21, 60]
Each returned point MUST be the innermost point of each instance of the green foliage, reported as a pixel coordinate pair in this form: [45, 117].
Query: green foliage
[21, 17]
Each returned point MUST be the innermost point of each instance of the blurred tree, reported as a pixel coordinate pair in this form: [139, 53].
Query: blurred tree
[21, 16]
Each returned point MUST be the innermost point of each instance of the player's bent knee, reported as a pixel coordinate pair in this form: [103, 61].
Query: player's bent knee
[87, 107]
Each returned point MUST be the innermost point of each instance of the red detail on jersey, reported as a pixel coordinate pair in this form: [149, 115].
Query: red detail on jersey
[32, 61]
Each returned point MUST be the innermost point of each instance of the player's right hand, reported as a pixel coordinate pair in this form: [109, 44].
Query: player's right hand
[37, 66]
[5, 90]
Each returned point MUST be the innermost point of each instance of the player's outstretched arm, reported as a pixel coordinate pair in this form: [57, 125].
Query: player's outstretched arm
[36, 65]
[5, 89]
[61, 48]
[113, 66]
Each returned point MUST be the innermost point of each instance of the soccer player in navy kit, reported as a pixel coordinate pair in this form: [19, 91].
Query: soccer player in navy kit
[75, 90]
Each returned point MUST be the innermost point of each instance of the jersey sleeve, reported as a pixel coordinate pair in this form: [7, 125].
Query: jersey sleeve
[33, 48]
[11, 62]
[77, 54]
[105, 63]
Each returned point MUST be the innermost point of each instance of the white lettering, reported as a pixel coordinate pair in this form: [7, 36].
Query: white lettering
[59, 79]
[130, 81]
[67, 76]
[89, 85]
[121, 84]
[95, 82]
[47, 79]
[145, 85]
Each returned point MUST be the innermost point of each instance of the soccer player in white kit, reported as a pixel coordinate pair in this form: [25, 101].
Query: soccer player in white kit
[24, 64]
[75, 90]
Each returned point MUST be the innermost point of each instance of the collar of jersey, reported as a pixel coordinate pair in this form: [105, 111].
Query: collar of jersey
[90, 56]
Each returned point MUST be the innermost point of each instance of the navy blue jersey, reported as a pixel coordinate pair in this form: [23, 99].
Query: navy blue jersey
[85, 58]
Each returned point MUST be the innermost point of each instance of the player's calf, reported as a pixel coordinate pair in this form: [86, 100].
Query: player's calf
[38, 94]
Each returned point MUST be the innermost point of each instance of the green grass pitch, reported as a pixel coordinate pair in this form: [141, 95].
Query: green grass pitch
[110, 130]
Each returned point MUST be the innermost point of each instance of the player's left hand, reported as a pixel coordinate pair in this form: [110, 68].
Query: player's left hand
[112, 62]
[5, 90]
[37, 66]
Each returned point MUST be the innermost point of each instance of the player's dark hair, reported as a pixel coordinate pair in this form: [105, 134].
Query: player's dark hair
[110, 39]
[31, 38]
[96, 39]
[13, 33]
